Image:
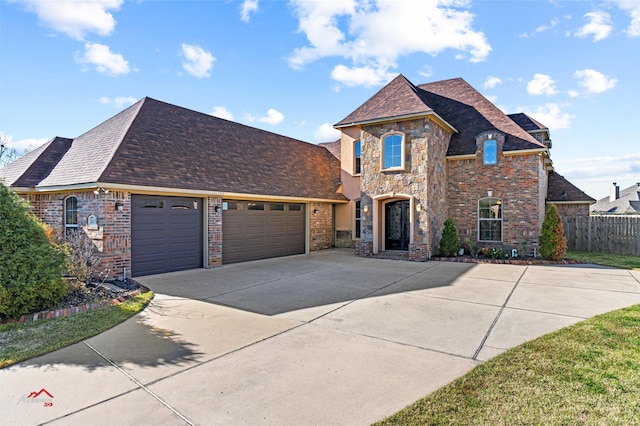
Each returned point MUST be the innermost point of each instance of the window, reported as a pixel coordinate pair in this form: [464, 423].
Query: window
[356, 156]
[393, 151]
[295, 207]
[255, 206]
[490, 219]
[276, 207]
[358, 228]
[490, 152]
[70, 213]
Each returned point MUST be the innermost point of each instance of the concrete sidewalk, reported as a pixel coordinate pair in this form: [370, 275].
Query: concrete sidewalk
[328, 338]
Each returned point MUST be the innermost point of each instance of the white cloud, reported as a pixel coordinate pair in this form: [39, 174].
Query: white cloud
[594, 81]
[103, 59]
[272, 118]
[22, 146]
[198, 62]
[541, 85]
[551, 116]
[248, 7]
[373, 34]
[599, 26]
[426, 71]
[633, 7]
[222, 112]
[542, 28]
[491, 82]
[326, 133]
[118, 102]
[76, 18]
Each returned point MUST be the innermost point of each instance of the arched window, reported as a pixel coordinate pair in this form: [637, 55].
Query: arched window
[490, 219]
[70, 213]
[490, 152]
[356, 157]
[393, 151]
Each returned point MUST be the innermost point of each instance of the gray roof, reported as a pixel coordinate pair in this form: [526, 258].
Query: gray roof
[627, 203]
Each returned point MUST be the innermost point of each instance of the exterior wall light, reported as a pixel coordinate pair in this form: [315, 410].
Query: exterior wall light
[418, 207]
[315, 211]
[366, 209]
[119, 206]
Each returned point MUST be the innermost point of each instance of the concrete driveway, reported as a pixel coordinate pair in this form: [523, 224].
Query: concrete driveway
[328, 338]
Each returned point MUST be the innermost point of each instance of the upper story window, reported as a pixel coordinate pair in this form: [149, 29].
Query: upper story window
[490, 219]
[356, 156]
[393, 151]
[70, 213]
[490, 152]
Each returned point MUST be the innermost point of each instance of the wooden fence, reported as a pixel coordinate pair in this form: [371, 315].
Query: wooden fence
[605, 234]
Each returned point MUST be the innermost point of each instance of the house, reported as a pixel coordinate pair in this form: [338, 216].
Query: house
[161, 188]
[412, 156]
[626, 201]
[158, 186]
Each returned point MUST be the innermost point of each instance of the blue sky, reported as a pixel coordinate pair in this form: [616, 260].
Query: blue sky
[296, 67]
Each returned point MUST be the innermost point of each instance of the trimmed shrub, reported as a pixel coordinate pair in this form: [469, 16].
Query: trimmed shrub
[31, 266]
[553, 244]
[449, 242]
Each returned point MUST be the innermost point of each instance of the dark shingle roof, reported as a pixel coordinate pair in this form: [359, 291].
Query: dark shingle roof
[36, 165]
[153, 143]
[333, 147]
[526, 122]
[561, 190]
[397, 99]
[457, 102]
[627, 202]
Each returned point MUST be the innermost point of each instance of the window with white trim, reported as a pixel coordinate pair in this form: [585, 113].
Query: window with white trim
[356, 157]
[490, 152]
[70, 214]
[392, 151]
[490, 219]
[358, 216]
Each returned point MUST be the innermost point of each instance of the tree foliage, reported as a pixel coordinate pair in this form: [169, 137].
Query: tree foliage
[449, 242]
[7, 155]
[553, 244]
[31, 266]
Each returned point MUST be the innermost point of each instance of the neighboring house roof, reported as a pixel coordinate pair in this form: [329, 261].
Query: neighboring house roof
[527, 122]
[156, 144]
[560, 190]
[627, 202]
[334, 147]
[455, 101]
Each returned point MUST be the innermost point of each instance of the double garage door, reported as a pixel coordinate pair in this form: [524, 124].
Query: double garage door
[254, 230]
[167, 232]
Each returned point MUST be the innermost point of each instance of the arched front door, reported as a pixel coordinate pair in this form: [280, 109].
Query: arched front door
[396, 225]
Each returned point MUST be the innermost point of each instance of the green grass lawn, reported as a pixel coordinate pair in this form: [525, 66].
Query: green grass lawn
[588, 373]
[623, 261]
[21, 341]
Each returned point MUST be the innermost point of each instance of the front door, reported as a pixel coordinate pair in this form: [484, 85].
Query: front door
[396, 225]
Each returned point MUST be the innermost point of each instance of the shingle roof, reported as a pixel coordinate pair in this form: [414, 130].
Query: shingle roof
[397, 99]
[457, 102]
[334, 147]
[153, 143]
[561, 190]
[30, 169]
[627, 202]
[527, 122]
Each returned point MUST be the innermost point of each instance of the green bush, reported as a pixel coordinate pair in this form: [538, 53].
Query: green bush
[553, 244]
[31, 266]
[449, 242]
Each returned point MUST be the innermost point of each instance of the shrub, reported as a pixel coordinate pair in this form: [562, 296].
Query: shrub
[449, 242]
[32, 266]
[553, 244]
[82, 256]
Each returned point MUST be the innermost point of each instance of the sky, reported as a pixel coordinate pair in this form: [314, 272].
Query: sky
[297, 67]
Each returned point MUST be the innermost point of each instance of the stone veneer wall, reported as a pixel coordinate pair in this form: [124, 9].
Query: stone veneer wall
[214, 241]
[424, 178]
[320, 226]
[515, 179]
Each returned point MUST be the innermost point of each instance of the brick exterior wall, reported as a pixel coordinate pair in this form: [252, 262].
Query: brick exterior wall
[320, 226]
[424, 179]
[516, 179]
[214, 238]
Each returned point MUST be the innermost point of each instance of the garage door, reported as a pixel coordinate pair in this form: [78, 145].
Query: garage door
[166, 234]
[256, 230]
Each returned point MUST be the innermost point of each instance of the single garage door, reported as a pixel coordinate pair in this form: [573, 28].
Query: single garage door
[254, 230]
[166, 234]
